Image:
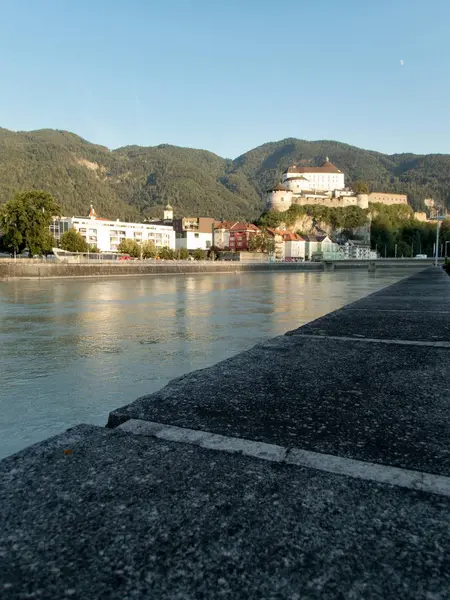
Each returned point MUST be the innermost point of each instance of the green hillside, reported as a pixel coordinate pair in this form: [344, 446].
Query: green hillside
[134, 181]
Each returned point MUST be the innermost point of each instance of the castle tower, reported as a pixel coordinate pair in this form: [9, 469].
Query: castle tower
[278, 198]
[362, 200]
[168, 213]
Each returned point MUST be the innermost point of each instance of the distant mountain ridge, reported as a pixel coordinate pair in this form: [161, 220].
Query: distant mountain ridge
[134, 182]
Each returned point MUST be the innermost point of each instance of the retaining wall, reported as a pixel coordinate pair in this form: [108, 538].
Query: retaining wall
[29, 269]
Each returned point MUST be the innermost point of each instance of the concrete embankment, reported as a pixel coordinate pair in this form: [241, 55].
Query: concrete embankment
[315, 465]
[30, 269]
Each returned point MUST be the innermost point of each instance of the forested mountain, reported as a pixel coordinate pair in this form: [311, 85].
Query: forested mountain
[136, 181]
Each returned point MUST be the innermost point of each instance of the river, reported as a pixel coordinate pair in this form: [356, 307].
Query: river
[73, 349]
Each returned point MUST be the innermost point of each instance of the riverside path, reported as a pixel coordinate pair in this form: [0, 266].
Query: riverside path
[313, 466]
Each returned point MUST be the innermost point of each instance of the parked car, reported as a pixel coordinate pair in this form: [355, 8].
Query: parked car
[421, 256]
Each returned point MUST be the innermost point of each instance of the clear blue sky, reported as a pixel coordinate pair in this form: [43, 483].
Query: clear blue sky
[228, 76]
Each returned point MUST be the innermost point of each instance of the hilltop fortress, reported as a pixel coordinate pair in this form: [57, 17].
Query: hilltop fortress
[321, 185]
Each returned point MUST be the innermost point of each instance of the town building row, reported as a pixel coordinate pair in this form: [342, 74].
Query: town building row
[204, 233]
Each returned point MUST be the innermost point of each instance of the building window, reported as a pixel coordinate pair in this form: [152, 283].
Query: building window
[196, 235]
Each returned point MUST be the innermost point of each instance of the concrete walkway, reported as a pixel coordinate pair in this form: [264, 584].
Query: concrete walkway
[315, 465]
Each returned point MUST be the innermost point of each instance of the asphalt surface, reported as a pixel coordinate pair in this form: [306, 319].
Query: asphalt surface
[131, 516]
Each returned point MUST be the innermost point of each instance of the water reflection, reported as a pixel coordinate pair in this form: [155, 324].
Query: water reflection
[74, 349]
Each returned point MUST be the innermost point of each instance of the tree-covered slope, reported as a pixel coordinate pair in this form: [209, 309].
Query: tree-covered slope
[73, 170]
[193, 181]
[135, 181]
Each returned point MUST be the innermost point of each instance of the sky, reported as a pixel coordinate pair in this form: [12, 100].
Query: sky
[229, 76]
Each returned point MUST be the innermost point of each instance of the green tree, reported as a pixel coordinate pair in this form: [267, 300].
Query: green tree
[272, 218]
[199, 254]
[403, 249]
[184, 254]
[149, 249]
[268, 243]
[166, 253]
[25, 221]
[261, 242]
[254, 243]
[361, 187]
[131, 247]
[73, 241]
[94, 248]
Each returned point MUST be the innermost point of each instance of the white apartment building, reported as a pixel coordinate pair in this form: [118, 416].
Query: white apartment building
[194, 233]
[107, 235]
[294, 246]
[193, 240]
[358, 250]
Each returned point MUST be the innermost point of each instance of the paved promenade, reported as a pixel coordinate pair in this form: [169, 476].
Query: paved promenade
[314, 466]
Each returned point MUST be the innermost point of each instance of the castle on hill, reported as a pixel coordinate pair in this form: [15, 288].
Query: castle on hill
[323, 185]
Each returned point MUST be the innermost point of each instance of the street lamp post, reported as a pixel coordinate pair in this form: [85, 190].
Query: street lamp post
[436, 254]
[438, 220]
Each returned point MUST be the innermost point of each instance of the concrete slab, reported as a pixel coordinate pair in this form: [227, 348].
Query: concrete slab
[397, 325]
[129, 517]
[403, 303]
[426, 291]
[368, 401]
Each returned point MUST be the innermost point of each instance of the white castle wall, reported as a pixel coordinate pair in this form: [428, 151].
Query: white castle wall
[320, 181]
[297, 185]
[282, 201]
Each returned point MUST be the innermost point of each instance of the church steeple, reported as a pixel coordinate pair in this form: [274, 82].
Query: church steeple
[168, 213]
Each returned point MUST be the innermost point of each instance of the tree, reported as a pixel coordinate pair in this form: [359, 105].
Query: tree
[149, 249]
[261, 242]
[73, 241]
[166, 253]
[25, 221]
[131, 247]
[268, 243]
[254, 243]
[272, 218]
[94, 248]
[199, 254]
[184, 254]
[361, 187]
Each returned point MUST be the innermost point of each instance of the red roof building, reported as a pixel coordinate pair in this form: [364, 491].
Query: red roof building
[240, 234]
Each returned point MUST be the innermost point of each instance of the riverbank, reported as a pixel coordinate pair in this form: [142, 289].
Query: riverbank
[106, 340]
[313, 465]
[30, 269]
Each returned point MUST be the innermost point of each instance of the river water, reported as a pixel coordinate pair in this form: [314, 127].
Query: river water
[71, 350]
